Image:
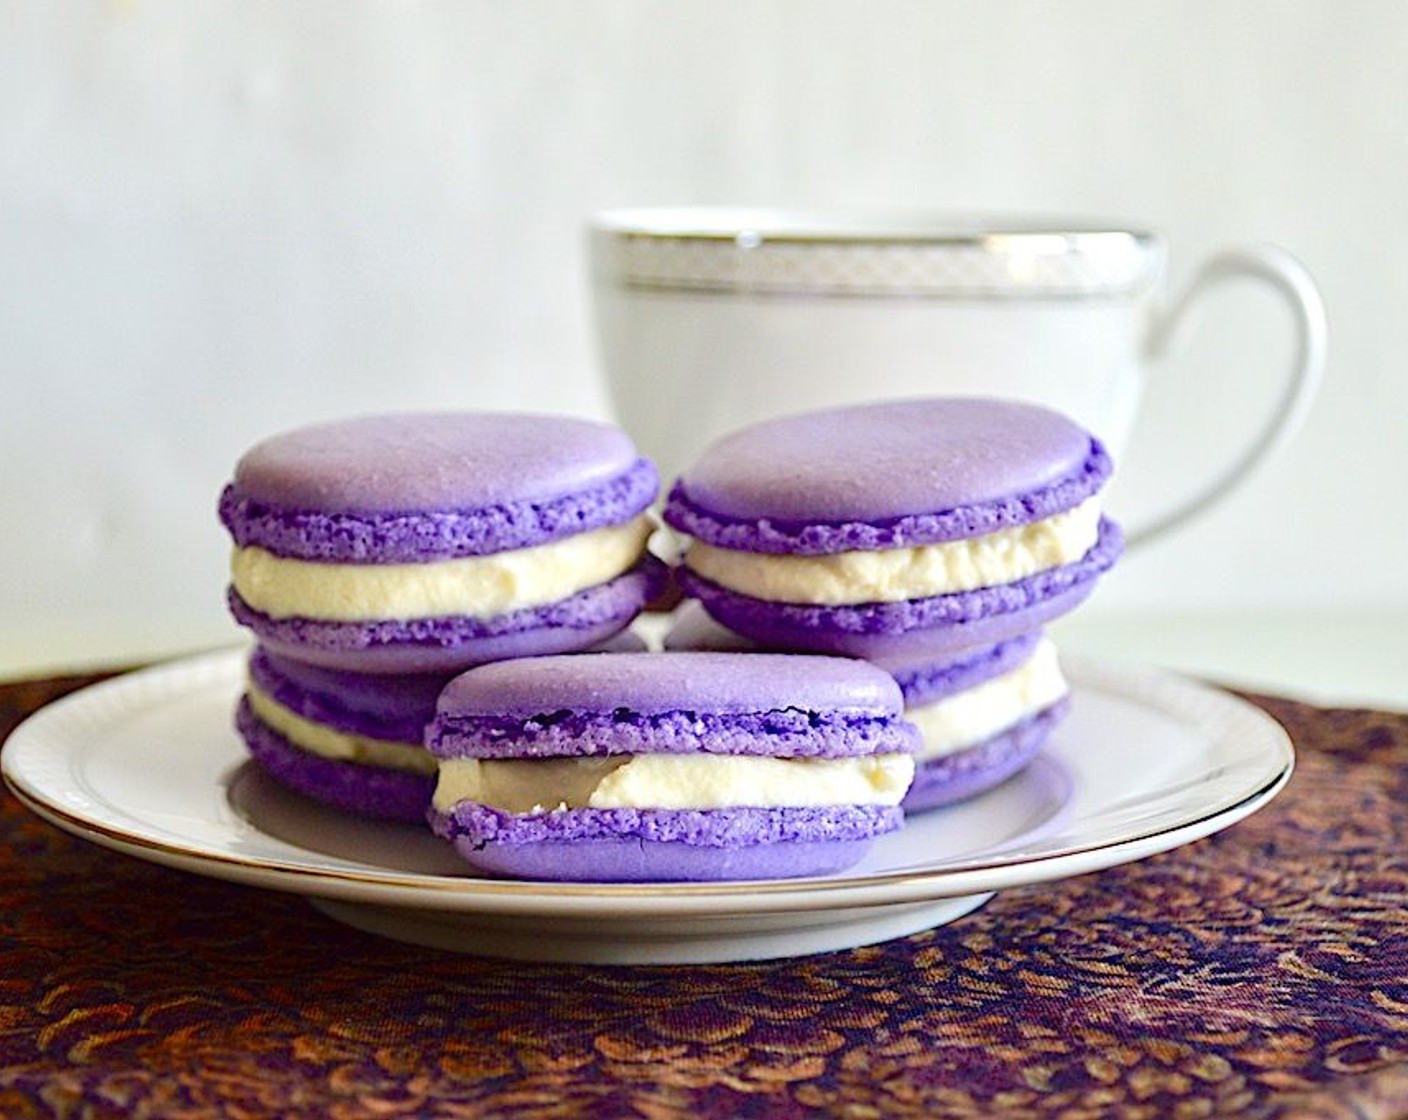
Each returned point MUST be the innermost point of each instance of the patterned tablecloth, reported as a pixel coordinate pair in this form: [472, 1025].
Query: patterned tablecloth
[1262, 972]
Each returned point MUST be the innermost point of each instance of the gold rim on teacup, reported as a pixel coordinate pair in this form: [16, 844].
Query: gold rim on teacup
[906, 254]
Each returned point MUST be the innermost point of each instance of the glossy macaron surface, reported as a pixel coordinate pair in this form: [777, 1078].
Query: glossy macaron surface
[885, 475]
[401, 462]
[672, 703]
[412, 487]
[647, 683]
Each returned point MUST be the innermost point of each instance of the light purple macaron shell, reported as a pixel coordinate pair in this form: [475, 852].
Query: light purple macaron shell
[956, 777]
[653, 845]
[886, 475]
[432, 461]
[380, 792]
[668, 682]
[637, 861]
[409, 487]
[449, 645]
[672, 703]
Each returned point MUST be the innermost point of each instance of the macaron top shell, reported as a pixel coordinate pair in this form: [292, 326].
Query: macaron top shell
[887, 475]
[411, 487]
[405, 462]
[653, 683]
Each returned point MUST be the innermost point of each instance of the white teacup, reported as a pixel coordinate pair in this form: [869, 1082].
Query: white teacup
[711, 318]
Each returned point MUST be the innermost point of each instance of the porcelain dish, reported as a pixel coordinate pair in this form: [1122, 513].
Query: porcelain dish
[148, 764]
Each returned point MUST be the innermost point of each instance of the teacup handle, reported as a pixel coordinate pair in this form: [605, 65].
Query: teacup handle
[1285, 275]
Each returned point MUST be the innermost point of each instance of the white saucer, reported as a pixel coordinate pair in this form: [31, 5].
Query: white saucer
[149, 764]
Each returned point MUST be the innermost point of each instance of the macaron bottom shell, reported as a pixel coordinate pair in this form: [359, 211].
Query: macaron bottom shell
[657, 845]
[966, 773]
[939, 626]
[450, 644]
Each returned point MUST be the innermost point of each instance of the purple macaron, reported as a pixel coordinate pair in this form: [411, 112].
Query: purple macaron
[426, 543]
[669, 766]
[351, 740]
[922, 527]
[983, 715]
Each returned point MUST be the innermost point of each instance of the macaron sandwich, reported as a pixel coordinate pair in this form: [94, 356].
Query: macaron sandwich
[982, 716]
[421, 588]
[354, 741]
[377, 557]
[350, 740]
[898, 528]
[414, 543]
[669, 766]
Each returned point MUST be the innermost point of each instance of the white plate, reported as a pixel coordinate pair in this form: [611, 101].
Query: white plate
[149, 764]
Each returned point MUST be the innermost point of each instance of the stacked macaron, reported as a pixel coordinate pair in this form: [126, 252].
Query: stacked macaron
[377, 557]
[934, 537]
[876, 577]
[669, 766]
[351, 740]
[982, 716]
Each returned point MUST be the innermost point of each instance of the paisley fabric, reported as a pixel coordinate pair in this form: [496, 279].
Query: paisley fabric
[1262, 972]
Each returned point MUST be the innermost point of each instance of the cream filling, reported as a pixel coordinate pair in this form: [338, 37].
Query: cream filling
[344, 746]
[983, 711]
[474, 586]
[663, 781]
[895, 574]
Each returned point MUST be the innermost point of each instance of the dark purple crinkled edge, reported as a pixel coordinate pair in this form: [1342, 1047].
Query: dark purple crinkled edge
[620, 599]
[784, 733]
[382, 792]
[398, 726]
[711, 828]
[816, 538]
[750, 616]
[931, 681]
[966, 773]
[418, 536]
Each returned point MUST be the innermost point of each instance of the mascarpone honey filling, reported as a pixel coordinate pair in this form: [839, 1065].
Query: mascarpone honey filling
[893, 575]
[664, 781]
[983, 711]
[343, 746]
[473, 586]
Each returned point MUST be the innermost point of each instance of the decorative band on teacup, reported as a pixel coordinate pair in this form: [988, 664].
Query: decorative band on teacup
[782, 253]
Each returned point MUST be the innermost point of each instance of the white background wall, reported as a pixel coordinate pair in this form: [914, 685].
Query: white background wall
[222, 219]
